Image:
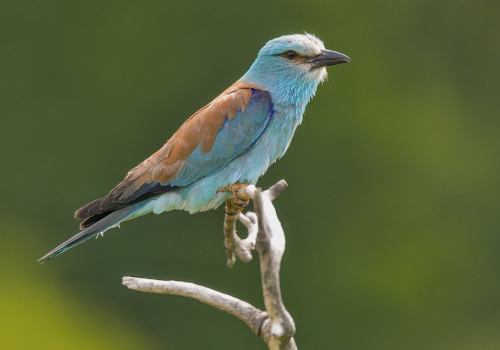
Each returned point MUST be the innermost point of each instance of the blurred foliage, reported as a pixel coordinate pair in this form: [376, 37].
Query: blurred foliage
[392, 211]
[39, 313]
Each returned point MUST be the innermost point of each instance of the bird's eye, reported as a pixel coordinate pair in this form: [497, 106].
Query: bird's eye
[290, 55]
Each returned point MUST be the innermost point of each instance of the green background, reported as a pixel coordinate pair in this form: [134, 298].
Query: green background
[392, 214]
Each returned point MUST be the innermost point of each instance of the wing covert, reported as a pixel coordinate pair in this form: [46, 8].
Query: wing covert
[233, 138]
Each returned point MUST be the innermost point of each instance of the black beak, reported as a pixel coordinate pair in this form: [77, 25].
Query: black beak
[328, 58]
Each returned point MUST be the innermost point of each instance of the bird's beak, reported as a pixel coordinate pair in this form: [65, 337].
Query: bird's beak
[328, 58]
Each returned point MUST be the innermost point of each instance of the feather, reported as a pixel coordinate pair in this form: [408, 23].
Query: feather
[100, 227]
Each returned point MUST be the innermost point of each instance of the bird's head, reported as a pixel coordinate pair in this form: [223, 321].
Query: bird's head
[292, 66]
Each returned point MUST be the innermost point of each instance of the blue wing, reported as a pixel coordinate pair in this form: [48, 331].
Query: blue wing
[235, 137]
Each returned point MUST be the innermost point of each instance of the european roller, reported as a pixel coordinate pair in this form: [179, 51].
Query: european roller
[229, 143]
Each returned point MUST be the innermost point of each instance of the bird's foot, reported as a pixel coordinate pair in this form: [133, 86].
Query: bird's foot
[234, 206]
[238, 201]
[234, 245]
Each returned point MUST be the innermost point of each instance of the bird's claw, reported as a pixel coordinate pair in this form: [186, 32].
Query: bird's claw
[238, 201]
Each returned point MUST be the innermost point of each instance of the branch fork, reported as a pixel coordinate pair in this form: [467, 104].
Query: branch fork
[233, 244]
[266, 236]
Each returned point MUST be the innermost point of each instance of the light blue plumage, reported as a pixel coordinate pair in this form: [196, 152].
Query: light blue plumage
[232, 140]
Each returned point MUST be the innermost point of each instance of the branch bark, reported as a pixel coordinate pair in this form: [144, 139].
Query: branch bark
[249, 314]
[233, 244]
[266, 235]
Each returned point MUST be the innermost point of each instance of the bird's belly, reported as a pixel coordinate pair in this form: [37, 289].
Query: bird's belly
[202, 194]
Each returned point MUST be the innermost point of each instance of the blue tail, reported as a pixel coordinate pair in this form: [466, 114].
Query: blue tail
[99, 227]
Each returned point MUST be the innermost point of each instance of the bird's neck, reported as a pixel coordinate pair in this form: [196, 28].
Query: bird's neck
[285, 88]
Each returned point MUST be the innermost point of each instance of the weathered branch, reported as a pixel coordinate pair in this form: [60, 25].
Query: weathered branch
[233, 244]
[279, 329]
[265, 233]
[249, 314]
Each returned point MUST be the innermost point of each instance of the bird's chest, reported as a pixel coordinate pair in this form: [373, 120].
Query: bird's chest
[280, 131]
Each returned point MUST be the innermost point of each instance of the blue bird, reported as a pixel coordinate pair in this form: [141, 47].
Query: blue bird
[227, 144]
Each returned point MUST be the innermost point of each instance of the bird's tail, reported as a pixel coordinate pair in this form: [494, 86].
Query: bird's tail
[99, 227]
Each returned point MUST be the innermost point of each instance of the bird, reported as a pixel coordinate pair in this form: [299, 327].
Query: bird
[227, 144]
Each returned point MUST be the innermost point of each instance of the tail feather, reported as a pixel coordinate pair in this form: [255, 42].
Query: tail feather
[106, 223]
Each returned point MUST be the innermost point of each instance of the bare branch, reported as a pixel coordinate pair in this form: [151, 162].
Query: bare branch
[249, 314]
[265, 233]
[233, 244]
[275, 190]
[270, 245]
